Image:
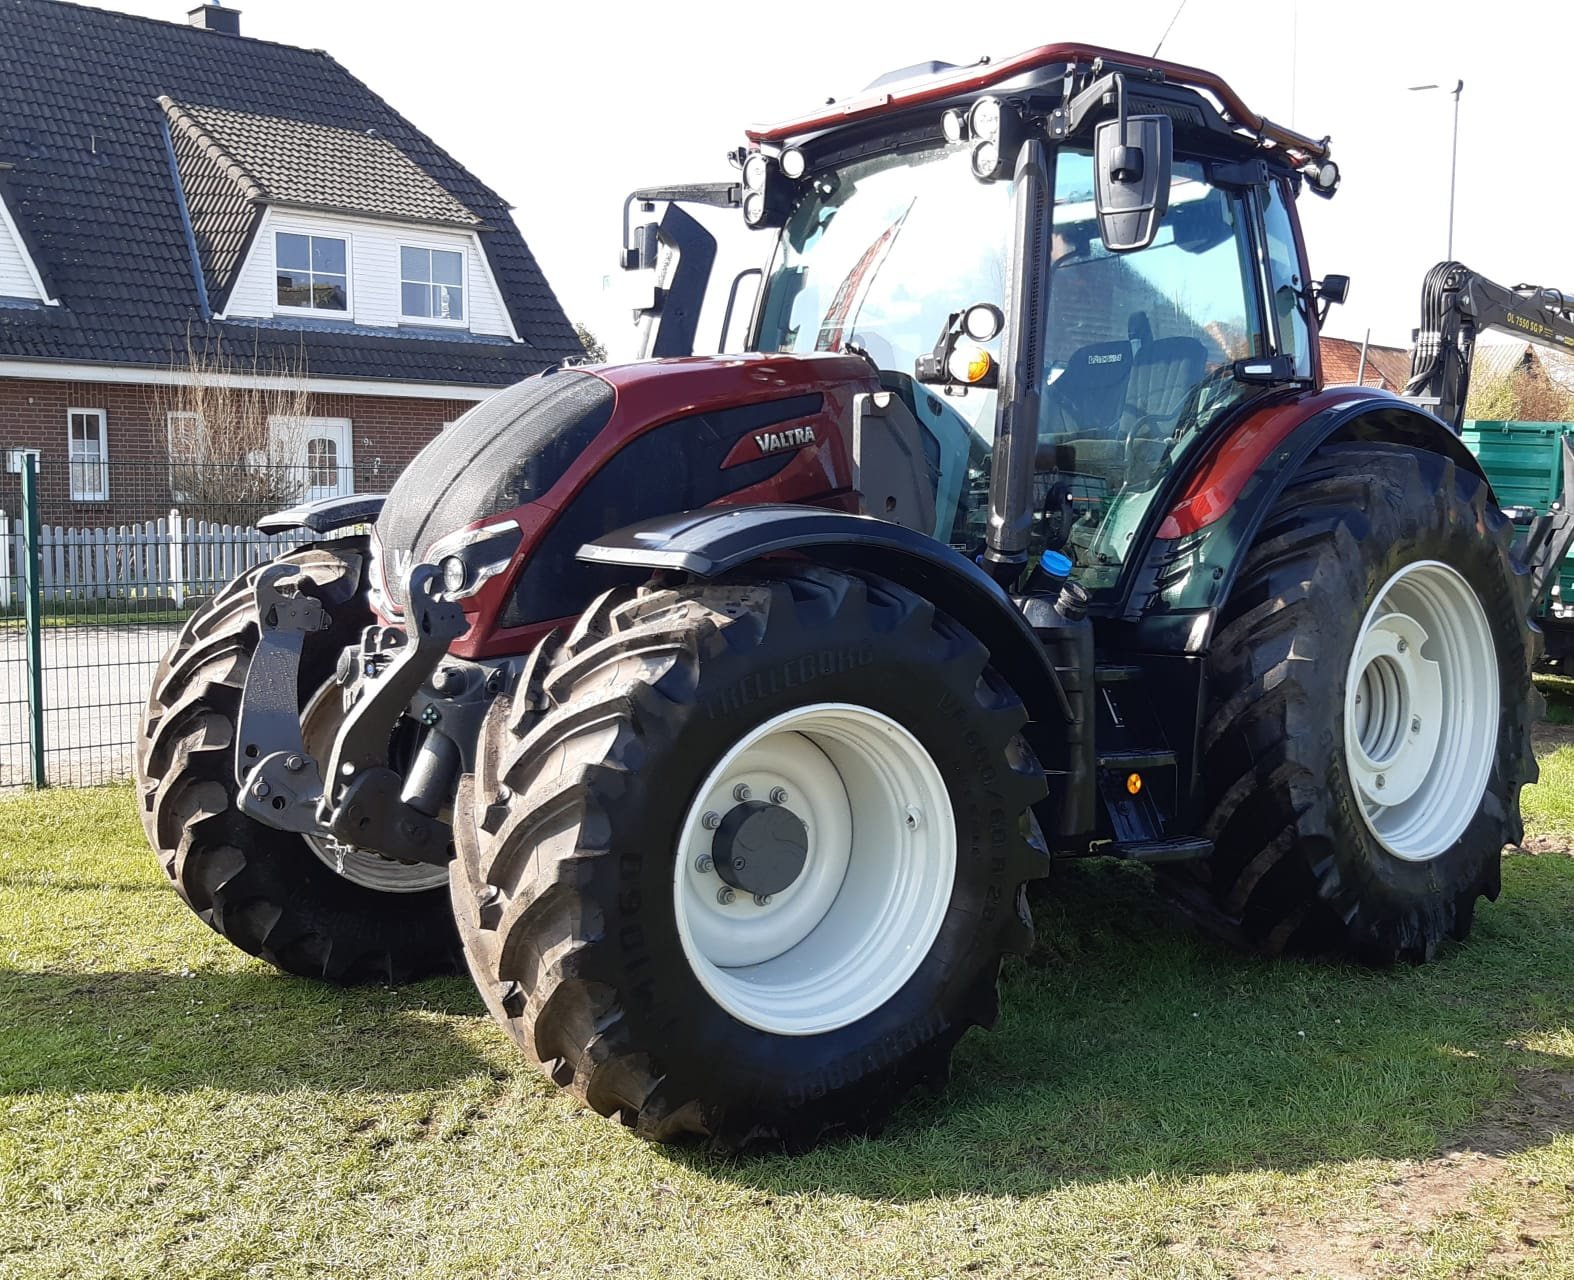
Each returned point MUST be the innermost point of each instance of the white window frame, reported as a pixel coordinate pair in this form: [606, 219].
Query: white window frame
[315, 313]
[433, 246]
[101, 493]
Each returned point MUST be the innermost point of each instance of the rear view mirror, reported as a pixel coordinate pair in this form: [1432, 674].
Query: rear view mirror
[1131, 179]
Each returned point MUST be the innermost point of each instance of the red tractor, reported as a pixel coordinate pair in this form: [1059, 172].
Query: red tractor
[717, 710]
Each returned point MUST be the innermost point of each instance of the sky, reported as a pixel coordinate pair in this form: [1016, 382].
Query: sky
[565, 108]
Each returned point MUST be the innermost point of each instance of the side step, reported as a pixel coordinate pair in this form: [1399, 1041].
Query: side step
[1175, 849]
[1116, 673]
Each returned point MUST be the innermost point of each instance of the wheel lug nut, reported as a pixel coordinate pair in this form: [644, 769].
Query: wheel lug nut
[1403, 644]
[1415, 724]
[778, 795]
[913, 818]
[724, 895]
[762, 899]
[711, 821]
[260, 790]
[1381, 782]
[741, 791]
[703, 863]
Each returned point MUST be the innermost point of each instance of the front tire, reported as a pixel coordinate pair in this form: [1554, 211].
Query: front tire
[858, 755]
[273, 893]
[1370, 710]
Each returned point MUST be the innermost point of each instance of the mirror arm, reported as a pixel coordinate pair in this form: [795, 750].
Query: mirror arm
[721, 195]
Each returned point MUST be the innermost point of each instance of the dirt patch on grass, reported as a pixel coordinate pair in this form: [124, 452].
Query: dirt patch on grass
[1547, 737]
[1389, 1235]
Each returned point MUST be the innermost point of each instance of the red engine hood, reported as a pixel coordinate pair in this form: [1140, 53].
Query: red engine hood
[654, 391]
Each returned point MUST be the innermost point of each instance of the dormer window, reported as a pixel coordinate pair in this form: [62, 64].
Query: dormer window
[313, 272]
[431, 285]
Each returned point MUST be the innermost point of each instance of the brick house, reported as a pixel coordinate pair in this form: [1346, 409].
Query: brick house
[181, 205]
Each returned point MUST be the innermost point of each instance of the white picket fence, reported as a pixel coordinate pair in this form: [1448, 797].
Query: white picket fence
[166, 559]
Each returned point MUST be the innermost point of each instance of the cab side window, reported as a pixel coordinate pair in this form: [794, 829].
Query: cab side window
[1286, 280]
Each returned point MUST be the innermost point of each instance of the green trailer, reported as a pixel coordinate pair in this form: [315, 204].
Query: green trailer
[1523, 460]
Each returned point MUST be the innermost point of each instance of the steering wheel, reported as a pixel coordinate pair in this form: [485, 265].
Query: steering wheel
[1183, 420]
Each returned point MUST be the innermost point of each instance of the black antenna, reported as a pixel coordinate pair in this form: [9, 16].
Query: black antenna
[1169, 28]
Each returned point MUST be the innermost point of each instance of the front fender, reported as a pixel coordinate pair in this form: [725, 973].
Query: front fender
[713, 541]
[325, 514]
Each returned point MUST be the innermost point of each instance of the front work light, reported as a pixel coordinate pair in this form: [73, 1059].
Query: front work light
[767, 191]
[999, 130]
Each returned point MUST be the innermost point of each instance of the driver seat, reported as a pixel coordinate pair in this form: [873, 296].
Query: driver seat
[1164, 373]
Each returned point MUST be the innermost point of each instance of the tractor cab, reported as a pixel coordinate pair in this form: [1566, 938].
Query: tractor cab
[1159, 287]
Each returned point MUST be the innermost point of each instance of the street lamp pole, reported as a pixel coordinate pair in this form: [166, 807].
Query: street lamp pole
[1453, 162]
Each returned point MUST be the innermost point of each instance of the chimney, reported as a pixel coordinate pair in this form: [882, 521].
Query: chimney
[215, 17]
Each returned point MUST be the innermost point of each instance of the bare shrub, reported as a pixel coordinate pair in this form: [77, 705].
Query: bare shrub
[235, 433]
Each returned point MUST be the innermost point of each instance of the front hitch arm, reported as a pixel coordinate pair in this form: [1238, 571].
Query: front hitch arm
[357, 798]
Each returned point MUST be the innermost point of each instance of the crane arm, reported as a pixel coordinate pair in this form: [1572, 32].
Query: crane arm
[1456, 305]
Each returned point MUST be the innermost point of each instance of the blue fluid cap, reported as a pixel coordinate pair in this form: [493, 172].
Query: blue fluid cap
[1055, 563]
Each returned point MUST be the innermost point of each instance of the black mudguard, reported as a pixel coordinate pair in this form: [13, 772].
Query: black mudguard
[325, 514]
[718, 539]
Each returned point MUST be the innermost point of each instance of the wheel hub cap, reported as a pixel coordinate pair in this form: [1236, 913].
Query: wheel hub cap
[760, 848]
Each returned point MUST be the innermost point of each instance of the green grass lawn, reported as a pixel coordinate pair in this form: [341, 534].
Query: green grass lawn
[1152, 1104]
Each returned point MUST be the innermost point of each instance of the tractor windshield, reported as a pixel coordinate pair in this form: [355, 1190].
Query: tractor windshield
[1138, 346]
[880, 253]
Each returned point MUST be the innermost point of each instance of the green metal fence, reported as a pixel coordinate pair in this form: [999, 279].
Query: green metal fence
[100, 564]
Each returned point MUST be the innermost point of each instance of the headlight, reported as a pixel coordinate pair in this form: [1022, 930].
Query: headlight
[953, 124]
[468, 560]
[755, 171]
[794, 163]
[986, 160]
[984, 119]
[754, 208]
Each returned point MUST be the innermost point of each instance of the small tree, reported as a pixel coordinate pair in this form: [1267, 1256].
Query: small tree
[1524, 394]
[595, 351]
[235, 445]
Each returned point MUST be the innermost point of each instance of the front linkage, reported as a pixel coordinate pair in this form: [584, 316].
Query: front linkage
[358, 799]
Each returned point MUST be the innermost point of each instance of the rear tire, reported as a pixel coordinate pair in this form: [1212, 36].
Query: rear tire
[591, 923]
[266, 890]
[1363, 786]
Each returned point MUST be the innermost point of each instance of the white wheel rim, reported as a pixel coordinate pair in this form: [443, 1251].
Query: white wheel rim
[319, 723]
[1421, 710]
[875, 883]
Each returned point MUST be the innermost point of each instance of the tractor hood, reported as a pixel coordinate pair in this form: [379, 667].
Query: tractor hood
[536, 444]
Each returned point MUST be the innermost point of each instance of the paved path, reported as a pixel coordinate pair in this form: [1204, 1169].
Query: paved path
[95, 682]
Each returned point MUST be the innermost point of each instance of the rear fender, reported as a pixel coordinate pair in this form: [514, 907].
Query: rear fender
[1192, 563]
[712, 542]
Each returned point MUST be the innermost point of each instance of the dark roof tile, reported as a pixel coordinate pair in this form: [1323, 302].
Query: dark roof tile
[95, 198]
[274, 160]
